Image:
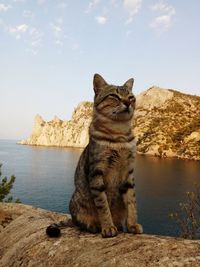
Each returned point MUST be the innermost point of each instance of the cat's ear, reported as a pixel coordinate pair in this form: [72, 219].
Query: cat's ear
[98, 83]
[129, 84]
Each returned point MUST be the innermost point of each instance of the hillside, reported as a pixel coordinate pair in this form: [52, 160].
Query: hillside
[170, 127]
[166, 124]
[24, 243]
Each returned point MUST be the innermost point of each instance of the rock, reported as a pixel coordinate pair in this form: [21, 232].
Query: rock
[194, 136]
[72, 133]
[154, 97]
[23, 242]
[166, 124]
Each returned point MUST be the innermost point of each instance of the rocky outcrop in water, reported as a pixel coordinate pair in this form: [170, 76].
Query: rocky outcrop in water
[166, 124]
[23, 243]
[72, 133]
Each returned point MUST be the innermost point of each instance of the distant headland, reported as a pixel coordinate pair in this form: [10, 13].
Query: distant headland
[166, 124]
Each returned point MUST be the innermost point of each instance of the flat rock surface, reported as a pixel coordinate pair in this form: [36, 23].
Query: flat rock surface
[23, 242]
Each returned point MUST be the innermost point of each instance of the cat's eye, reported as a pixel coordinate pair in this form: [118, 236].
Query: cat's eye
[132, 98]
[115, 96]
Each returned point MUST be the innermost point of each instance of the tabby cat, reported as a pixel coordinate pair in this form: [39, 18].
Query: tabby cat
[104, 197]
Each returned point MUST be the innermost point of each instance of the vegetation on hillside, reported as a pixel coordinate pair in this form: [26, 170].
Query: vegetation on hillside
[5, 187]
[173, 129]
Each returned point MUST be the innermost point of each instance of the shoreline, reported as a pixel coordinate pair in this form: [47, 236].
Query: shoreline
[148, 154]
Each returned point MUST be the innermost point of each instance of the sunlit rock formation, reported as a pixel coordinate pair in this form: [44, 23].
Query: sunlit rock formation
[72, 133]
[166, 124]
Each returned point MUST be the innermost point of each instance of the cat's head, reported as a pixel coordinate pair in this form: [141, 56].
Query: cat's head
[115, 102]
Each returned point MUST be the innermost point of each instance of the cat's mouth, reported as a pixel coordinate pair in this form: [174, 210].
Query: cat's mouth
[124, 111]
[127, 110]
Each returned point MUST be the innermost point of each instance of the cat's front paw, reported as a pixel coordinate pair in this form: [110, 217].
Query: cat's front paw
[109, 231]
[135, 229]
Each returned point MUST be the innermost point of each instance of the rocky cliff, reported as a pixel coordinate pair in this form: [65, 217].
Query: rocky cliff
[23, 243]
[166, 124]
[72, 133]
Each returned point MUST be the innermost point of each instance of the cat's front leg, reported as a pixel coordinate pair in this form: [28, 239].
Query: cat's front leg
[97, 189]
[130, 204]
[108, 229]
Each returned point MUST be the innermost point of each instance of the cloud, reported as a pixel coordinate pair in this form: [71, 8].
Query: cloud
[164, 21]
[4, 8]
[113, 2]
[59, 20]
[163, 7]
[18, 30]
[161, 22]
[19, 1]
[132, 7]
[35, 37]
[31, 36]
[62, 5]
[101, 20]
[59, 43]
[75, 46]
[28, 14]
[58, 31]
[92, 5]
[33, 40]
[41, 2]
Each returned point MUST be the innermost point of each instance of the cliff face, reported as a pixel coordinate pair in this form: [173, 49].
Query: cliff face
[166, 124]
[23, 242]
[72, 133]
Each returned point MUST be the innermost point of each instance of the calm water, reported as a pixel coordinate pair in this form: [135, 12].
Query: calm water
[44, 178]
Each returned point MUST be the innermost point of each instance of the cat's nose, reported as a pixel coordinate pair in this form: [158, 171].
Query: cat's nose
[127, 103]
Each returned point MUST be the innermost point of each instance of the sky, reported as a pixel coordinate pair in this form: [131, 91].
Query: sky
[50, 50]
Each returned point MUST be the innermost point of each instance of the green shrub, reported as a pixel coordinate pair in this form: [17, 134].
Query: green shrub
[5, 188]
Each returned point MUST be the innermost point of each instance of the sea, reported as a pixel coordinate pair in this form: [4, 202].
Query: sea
[45, 179]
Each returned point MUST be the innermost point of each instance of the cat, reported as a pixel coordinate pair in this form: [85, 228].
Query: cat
[104, 197]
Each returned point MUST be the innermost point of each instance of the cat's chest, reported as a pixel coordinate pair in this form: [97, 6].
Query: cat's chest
[119, 164]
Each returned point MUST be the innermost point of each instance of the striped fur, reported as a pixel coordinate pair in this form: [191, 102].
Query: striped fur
[104, 197]
[104, 176]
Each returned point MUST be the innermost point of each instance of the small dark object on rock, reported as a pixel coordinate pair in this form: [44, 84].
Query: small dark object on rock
[53, 231]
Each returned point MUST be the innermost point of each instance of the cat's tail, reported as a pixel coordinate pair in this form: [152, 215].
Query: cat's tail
[53, 230]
